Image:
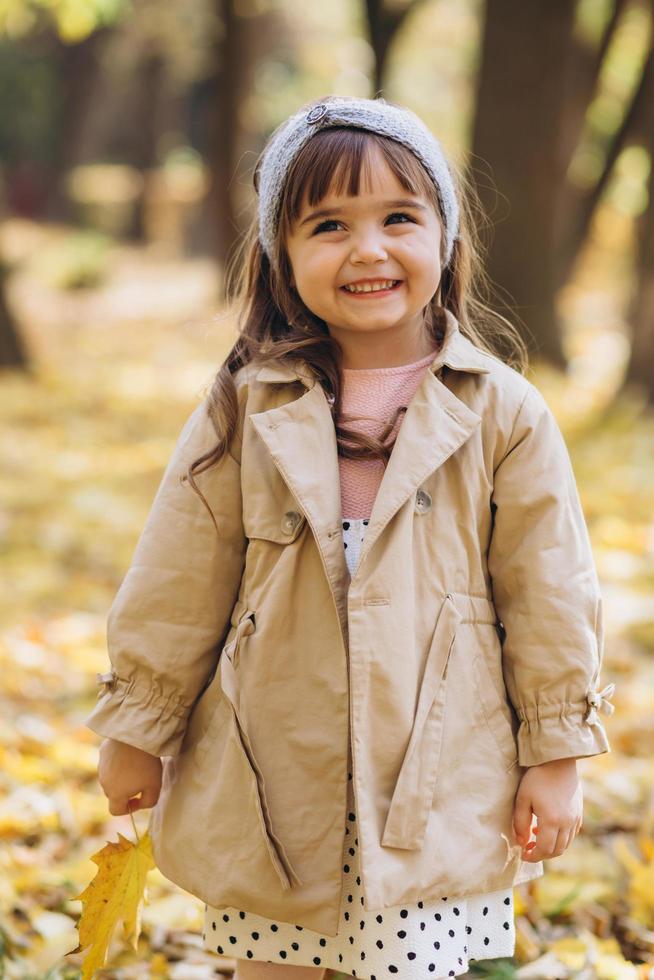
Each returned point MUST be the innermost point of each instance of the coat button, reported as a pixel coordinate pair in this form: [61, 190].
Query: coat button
[290, 521]
[423, 501]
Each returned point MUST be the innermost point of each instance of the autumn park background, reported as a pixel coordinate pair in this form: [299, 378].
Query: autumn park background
[128, 133]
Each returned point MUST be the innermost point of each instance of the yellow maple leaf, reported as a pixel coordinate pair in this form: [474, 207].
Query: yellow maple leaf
[114, 894]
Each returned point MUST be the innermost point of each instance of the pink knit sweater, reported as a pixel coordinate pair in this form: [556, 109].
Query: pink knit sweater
[375, 393]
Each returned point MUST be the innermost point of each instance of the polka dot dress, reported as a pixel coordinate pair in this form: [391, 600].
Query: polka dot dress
[438, 939]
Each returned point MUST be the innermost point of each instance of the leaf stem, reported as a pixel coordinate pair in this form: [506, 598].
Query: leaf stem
[138, 839]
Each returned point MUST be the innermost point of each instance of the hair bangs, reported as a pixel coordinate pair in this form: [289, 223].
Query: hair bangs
[334, 160]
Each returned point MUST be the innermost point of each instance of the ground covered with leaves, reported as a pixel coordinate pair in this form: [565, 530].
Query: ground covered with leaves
[117, 365]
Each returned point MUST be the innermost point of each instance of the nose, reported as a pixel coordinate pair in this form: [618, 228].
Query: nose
[369, 247]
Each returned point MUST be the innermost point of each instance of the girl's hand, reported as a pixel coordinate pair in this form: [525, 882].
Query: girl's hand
[552, 792]
[123, 772]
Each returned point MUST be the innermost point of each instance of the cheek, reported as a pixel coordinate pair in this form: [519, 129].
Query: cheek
[309, 288]
[422, 263]
[318, 272]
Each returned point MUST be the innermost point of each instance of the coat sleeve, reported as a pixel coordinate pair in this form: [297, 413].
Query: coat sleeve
[547, 595]
[173, 608]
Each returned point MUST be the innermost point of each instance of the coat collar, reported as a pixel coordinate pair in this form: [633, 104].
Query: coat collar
[457, 352]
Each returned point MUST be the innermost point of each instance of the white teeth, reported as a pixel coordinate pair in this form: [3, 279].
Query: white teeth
[372, 288]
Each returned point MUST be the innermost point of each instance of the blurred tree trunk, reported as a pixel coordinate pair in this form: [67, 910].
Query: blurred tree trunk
[384, 21]
[640, 368]
[143, 146]
[523, 88]
[529, 145]
[227, 88]
[641, 363]
[78, 68]
[12, 351]
[228, 137]
[136, 143]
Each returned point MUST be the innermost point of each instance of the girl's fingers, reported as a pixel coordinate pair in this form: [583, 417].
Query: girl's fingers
[149, 797]
[543, 846]
[522, 817]
[560, 839]
[118, 805]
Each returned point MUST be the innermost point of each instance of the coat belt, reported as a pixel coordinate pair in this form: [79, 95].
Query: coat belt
[411, 802]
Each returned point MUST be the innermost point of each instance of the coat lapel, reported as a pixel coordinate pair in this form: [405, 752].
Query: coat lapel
[301, 439]
[435, 425]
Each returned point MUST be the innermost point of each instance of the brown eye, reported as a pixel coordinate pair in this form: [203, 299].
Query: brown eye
[401, 214]
[321, 226]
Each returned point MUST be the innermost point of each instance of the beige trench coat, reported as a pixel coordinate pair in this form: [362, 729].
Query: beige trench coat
[466, 646]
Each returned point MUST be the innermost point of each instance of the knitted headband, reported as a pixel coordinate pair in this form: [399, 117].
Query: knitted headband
[374, 115]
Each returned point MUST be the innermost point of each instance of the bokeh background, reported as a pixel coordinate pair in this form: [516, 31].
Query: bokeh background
[128, 134]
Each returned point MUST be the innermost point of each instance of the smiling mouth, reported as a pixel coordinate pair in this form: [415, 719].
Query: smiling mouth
[373, 289]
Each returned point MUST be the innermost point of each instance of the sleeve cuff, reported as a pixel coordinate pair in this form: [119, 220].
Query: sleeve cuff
[138, 715]
[571, 730]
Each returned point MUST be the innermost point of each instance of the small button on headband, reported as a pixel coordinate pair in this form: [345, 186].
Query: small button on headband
[316, 113]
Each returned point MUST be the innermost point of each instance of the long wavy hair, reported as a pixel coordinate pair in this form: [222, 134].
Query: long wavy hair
[273, 323]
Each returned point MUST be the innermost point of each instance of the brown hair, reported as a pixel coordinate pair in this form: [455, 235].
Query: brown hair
[275, 325]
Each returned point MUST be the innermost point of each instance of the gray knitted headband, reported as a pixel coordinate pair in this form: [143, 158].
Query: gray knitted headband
[374, 115]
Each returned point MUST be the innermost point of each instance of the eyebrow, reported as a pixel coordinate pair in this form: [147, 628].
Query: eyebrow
[401, 202]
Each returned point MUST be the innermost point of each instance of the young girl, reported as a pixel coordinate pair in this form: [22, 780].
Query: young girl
[362, 623]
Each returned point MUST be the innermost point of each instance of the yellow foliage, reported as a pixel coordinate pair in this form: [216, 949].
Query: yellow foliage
[640, 893]
[159, 967]
[115, 893]
[603, 956]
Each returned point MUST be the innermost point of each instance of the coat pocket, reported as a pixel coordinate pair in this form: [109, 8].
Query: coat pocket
[411, 803]
[229, 682]
[276, 850]
[495, 707]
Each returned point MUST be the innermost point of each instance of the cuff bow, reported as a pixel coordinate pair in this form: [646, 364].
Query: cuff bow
[598, 701]
[109, 680]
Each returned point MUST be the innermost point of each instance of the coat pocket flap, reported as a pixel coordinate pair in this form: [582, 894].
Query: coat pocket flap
[406, 821]
[278, 520]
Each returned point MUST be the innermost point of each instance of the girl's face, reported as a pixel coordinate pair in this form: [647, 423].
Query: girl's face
[382, 236]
